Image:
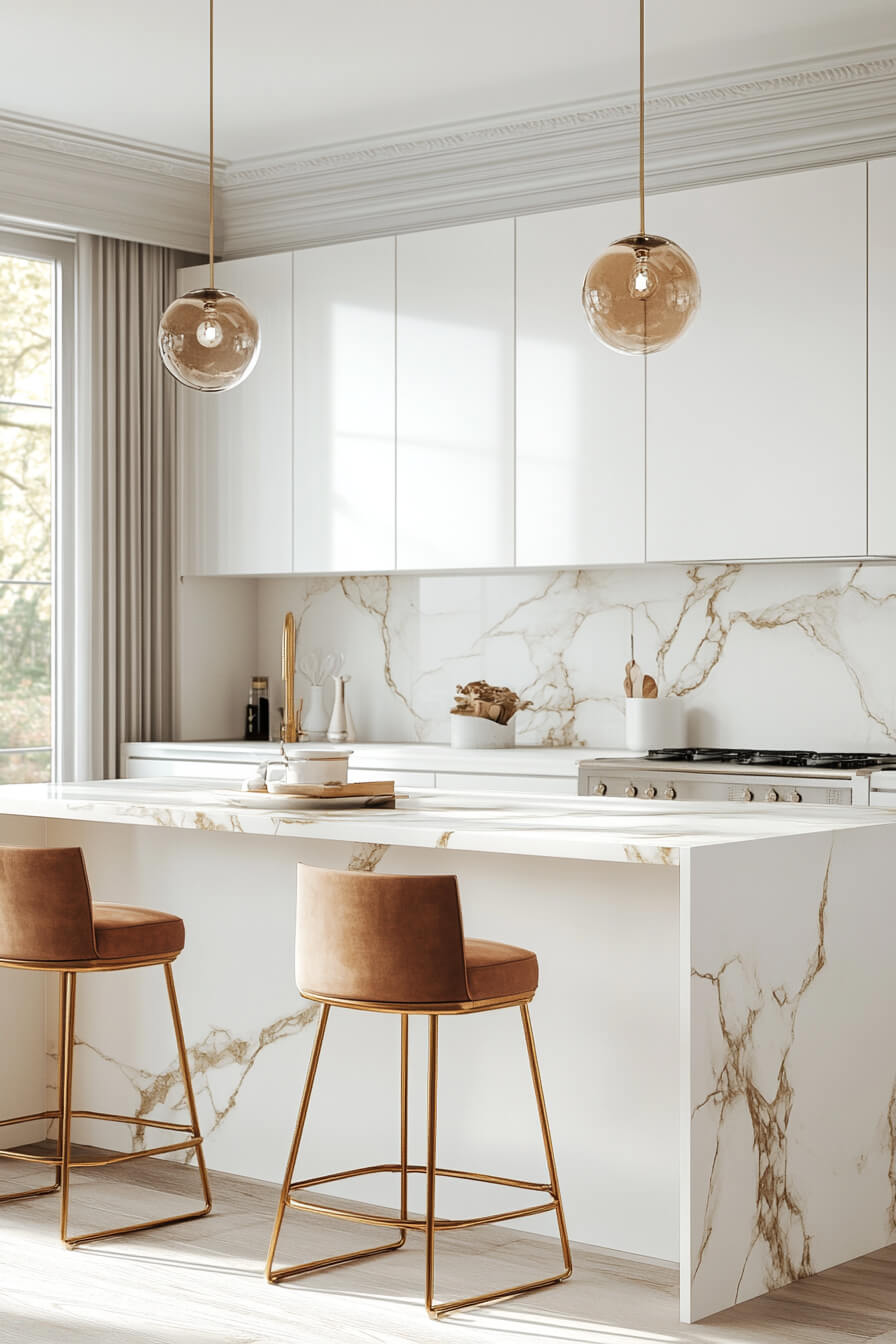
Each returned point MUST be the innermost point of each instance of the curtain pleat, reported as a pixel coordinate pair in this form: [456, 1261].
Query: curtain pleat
[127, 413]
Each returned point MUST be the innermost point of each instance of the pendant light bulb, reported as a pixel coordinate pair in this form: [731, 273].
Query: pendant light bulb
[642, 293]
[208, 339]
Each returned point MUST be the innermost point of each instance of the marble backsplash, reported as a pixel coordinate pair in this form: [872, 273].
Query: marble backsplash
[798, 655]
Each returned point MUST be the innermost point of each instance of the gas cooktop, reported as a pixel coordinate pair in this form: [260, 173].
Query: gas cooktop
[774, 760]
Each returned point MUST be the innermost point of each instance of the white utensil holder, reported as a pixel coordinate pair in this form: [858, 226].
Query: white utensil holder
[653, 724]
[470, 732]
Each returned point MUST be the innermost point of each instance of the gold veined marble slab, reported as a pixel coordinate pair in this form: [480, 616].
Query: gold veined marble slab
[610, 830]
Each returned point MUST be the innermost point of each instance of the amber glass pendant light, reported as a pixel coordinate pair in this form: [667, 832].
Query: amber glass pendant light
[208, 339]
[641, 294]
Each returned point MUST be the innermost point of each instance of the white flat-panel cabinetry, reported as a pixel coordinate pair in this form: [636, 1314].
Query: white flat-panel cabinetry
[344, 406]
[236, 446]
[455, 357]
[756, 418]
[882, 357]
[580, 406]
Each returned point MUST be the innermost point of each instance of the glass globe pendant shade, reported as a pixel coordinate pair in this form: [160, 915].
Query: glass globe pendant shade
[209, 340]
[641, 294]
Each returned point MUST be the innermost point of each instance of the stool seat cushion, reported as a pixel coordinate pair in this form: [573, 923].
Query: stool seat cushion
[127, 931]
[499, 970]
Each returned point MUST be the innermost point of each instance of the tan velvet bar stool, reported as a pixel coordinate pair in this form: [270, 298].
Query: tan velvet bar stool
[396, 945]
[48, 922]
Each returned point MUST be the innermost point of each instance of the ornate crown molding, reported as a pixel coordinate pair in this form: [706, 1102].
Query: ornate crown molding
[78, 179]
[770, 120]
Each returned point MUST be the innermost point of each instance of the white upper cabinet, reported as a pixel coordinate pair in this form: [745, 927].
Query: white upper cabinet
[455, 397]
[580, 406]
[236, 446]
[882, 357]
[756, 418]
[344, 407]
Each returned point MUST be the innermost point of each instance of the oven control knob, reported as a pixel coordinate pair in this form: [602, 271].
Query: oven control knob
[631, 791]
[600, 789]
[669, 792]
[747, 796]
[794, 797]
[771, 796]
[650, 791]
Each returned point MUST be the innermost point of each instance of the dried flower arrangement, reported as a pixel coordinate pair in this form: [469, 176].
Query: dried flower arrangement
[483, 701]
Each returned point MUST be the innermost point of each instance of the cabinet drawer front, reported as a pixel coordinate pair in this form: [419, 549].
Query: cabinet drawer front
[496, 783]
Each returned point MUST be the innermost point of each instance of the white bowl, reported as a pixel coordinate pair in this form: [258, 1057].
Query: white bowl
[312, 766]
[471, 732]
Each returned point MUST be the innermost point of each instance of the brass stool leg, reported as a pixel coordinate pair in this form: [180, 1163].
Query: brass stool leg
[546, 1135]
[404, 1122]
[194, 1139]
[278, 1275]
[60, 1078]
[67, 1050]
[438, 1309]
[431, 1107]
[184, 1061]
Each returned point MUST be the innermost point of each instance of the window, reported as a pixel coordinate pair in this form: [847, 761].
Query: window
[31, 286]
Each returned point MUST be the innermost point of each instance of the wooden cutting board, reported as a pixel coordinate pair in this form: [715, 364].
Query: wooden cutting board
[362, 788]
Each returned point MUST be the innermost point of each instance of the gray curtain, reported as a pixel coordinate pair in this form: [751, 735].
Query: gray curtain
[126, 446]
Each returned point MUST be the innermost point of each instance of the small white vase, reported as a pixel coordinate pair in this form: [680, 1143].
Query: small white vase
[652, 724]
[338, 729]
[315, 718]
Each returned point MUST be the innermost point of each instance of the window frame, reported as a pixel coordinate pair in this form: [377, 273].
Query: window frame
[60, 249]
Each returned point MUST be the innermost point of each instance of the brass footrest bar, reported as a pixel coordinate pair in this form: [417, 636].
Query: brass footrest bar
[132, 1120]
[419, 1224]
[30, 1194]
[141, 1152]
[26, 1119]
[396, 1167]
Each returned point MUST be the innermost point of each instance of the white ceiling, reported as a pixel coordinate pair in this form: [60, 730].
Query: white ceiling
[291, 74]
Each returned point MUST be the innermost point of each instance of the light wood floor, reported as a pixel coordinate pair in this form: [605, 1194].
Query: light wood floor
[201, 1282]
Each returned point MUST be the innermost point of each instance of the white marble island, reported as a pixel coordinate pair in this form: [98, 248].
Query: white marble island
[714, 1017]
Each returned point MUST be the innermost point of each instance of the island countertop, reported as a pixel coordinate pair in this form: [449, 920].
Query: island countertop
[610, 830]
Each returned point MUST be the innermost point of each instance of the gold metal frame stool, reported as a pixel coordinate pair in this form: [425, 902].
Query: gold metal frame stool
[64, 1114]
[430, 1224]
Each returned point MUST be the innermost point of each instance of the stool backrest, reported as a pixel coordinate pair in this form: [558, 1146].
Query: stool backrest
[45, 907]
[380, 939]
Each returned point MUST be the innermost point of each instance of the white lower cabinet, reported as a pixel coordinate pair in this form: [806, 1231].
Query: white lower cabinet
[455, 359]
[579, 405]
[756, 418]
[494, 782]
[236, 446]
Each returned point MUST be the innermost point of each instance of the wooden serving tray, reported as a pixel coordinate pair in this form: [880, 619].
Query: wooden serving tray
[369, 788]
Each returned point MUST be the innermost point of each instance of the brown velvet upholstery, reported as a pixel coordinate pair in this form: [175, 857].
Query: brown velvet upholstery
[46, 915]
[388, 939]
[125, 931]
[498, 970]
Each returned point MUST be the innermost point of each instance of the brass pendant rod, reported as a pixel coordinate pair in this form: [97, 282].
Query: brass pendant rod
[211, 143]
[641, 112]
